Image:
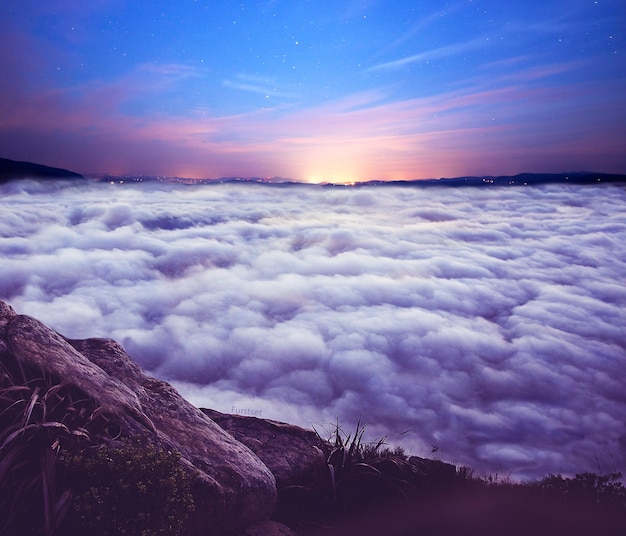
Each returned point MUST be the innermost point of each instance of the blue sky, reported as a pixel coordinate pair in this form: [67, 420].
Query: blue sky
[315, 90]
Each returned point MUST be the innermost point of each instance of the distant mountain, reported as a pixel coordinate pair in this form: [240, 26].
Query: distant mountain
[12, 169]
[522, 179]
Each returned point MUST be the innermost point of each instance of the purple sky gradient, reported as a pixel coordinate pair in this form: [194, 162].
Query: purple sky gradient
[314, 91]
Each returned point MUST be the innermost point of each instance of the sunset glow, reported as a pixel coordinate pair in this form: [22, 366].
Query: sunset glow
[314, 91]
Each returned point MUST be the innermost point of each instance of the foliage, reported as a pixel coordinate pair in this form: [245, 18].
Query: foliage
[362, 475]
[135, 489]
[67, 470]
[366, 473]
[604, 490]
[38, 417]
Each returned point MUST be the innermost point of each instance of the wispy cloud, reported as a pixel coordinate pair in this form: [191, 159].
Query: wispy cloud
[477, 127]
[420, 24]
[173, 70]
[259, 85]
[435, 53]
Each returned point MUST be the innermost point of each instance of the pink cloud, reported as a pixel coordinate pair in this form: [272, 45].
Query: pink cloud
[472, 130]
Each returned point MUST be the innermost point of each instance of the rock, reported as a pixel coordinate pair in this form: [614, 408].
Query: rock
[37, 346]
[268, 528]
[6, 314]
[294, 455]
[232, 487]
[435, 471]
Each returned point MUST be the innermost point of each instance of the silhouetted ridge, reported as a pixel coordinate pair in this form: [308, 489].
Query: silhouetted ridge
[12, 169]
[522, 179]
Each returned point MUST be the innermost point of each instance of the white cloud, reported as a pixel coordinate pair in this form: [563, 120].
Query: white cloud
[486, 321]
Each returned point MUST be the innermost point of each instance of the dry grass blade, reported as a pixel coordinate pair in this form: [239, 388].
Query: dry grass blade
[12, 406]
[55, 398]
[34, 398]
[47, 486]
[22, 431]
[54, 507]
[38, 420]
[355, 445]
[80, 432]
[62, 506]
[333, 483]
[12, 461]
[14, 388]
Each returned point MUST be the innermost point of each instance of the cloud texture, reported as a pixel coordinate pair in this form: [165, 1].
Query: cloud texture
[488, 322]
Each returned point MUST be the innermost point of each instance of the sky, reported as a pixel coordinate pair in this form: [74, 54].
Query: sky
[486, 322]
[314, 90]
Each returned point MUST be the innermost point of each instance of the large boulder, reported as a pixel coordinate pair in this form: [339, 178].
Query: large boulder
[294, 455]
[232, 487]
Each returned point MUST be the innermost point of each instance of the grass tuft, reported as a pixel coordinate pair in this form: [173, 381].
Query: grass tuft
[69, 470]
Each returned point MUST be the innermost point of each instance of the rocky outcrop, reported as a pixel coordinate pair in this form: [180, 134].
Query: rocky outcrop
[268, 528]
[435, 471]
[232, 487]
[294, 455]
[244, 470]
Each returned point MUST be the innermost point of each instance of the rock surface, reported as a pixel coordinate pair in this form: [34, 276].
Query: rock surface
[268, 528]
[294, 455]
[232, 487]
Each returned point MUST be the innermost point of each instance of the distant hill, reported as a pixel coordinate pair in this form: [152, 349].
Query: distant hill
[12, 169]
[523, 179]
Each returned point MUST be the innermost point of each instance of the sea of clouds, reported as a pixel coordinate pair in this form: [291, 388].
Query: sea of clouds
[486, 323]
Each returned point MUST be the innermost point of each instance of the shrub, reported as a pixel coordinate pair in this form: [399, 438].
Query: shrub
[603, 490]
[38, 417]
[135, 489]
[63, 469]
[366, 473]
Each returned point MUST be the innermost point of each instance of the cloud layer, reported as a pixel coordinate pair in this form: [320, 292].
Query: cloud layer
[488, 322]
